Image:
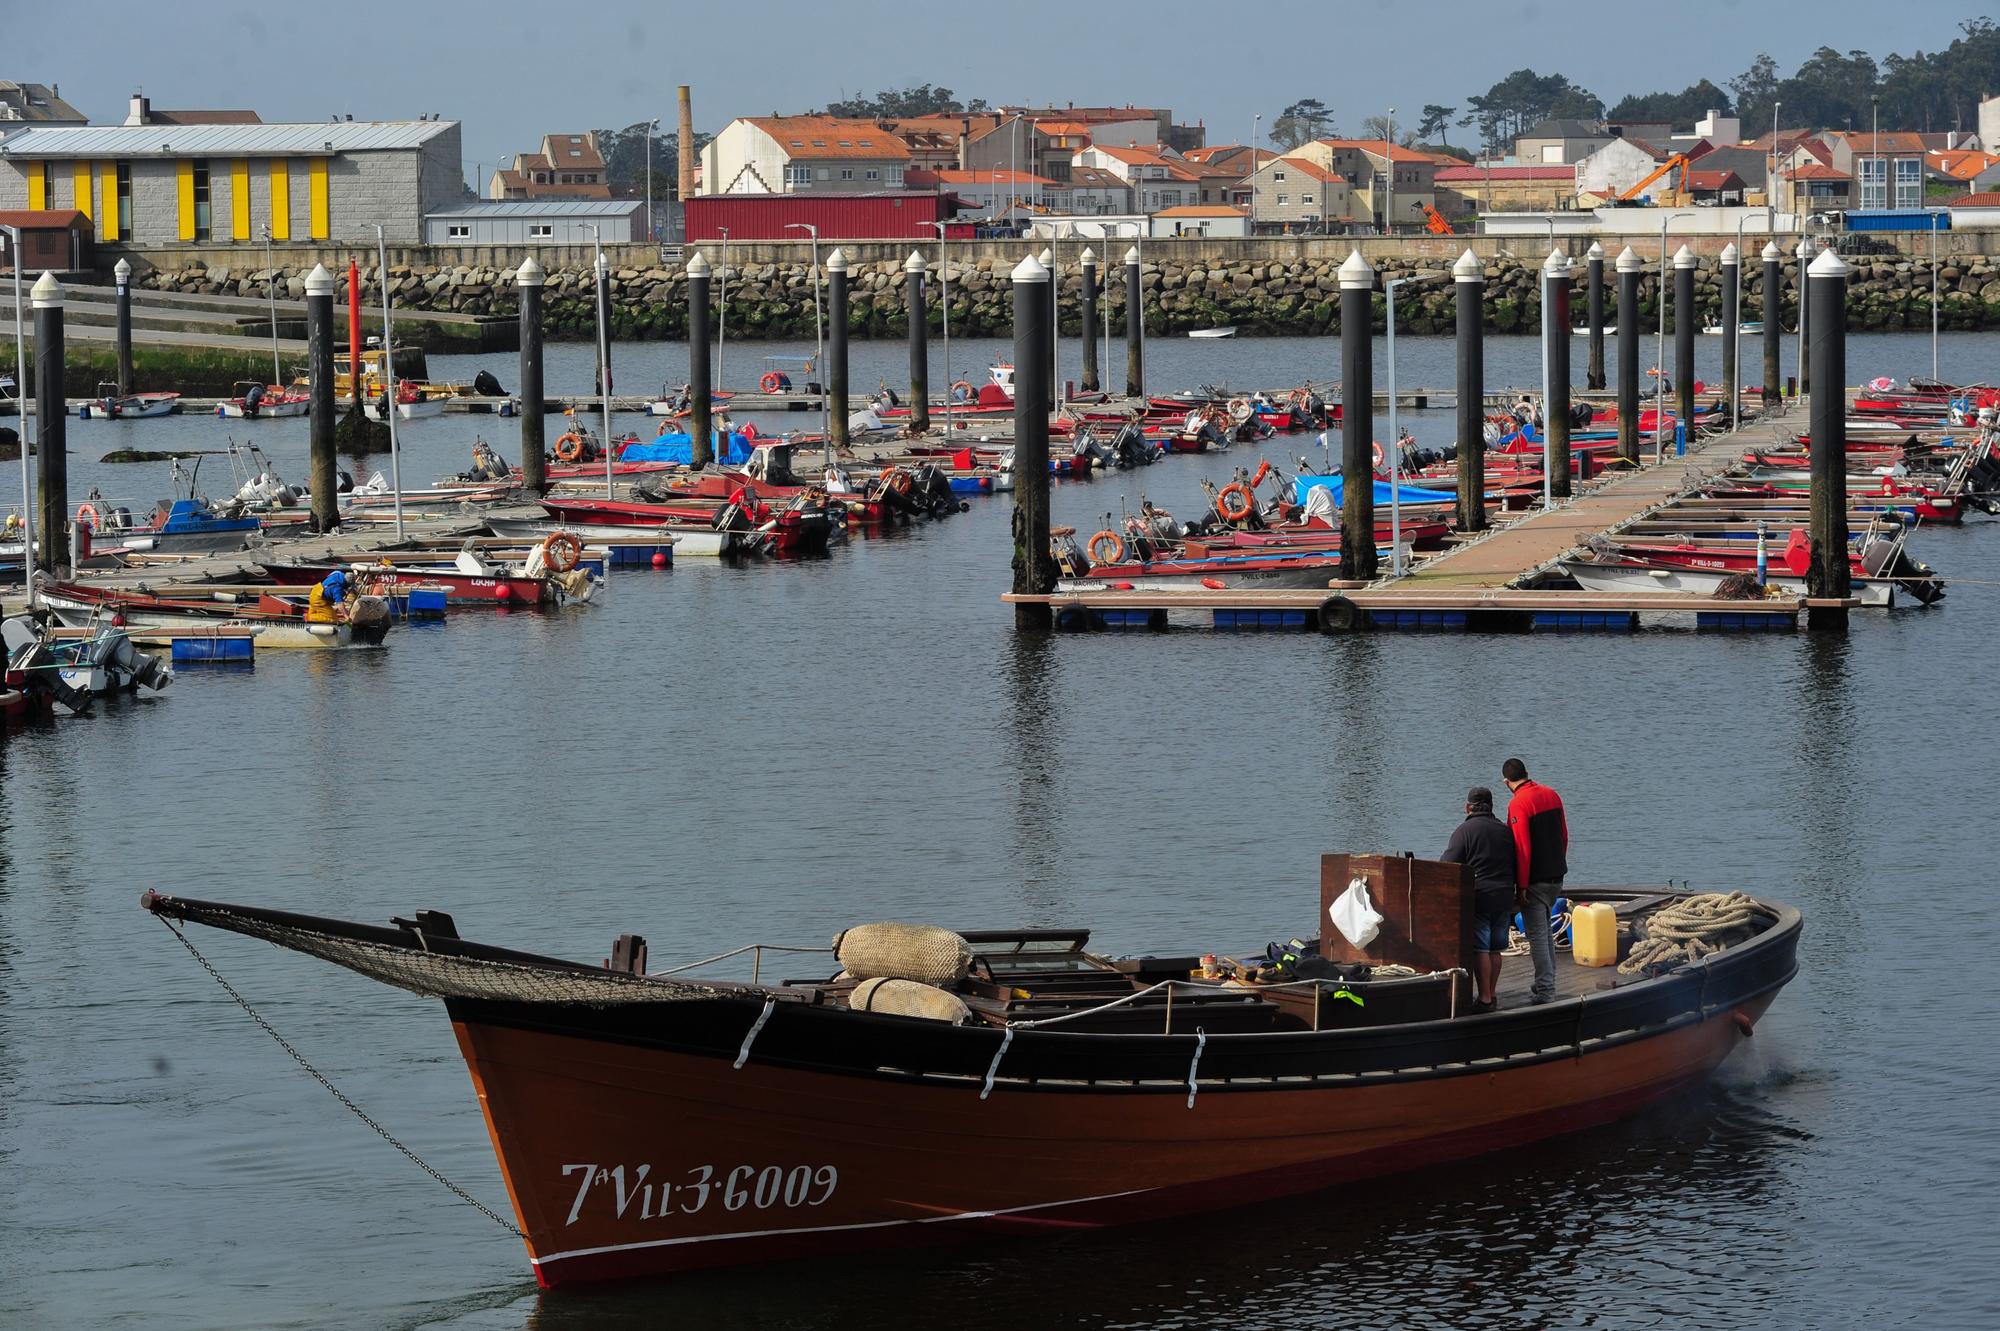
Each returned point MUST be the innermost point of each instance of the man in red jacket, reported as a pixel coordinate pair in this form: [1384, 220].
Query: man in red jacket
[1541, 858]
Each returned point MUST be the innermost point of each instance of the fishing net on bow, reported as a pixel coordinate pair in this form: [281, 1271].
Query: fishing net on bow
[407, 959]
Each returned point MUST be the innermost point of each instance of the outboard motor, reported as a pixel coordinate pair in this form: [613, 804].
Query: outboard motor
[252, 397]
[1130, 447]
[1580, 415]
[933, 492]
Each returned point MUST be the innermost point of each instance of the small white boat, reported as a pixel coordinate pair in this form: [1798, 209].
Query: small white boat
[409, 411]
[258, 400]
[1713, 329]
[113, 405]
[1872, 592]
[1214, 332]
[1584, 331]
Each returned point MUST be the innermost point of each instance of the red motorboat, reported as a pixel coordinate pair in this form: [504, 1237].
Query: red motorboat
[460, 588]
[796, 530]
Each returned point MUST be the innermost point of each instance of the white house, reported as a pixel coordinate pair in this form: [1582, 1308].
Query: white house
[803, 154]
[1617, 166]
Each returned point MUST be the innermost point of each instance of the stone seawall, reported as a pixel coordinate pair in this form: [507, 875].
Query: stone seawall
[1298, 297]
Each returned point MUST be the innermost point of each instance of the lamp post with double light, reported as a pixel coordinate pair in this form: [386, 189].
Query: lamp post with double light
[819, 335]
[1395, 432]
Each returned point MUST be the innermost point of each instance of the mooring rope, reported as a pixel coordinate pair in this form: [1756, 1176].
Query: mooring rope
[1695, 927]
[336, 1092]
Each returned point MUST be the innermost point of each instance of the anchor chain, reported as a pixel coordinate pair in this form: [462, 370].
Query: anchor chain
[337, 1093]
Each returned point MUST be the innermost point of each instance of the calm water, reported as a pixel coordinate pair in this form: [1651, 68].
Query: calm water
[718, 755]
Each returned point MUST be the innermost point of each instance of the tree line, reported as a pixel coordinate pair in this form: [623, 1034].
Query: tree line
[1924, 91]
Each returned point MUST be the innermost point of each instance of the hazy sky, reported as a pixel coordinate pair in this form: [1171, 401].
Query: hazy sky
[511, 70]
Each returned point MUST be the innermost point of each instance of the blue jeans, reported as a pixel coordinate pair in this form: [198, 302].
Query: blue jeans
[1541, 947]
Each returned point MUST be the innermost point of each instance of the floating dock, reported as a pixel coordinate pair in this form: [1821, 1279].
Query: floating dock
[1483, 583]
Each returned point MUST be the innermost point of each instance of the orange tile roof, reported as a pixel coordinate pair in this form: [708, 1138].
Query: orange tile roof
[1200, 210]
[952, 176]
[1989, 199]
[1963, 163]
[1814, 171]
[819, 137]
[1305, 166]
[1898, 141]
[1396, 153]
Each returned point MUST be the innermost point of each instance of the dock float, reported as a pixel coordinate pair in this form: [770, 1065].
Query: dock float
[1324, 610]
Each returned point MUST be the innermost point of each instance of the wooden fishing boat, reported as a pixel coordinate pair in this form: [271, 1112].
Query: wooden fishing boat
[1014, 1083]
[277, 621]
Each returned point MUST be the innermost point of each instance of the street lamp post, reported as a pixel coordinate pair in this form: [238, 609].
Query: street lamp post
[1771, 177]
[1395, 433]
[21, 411]
[270, 290]
[1389, 171]
[602, 300]
[944, 307]
[1934, 295]
[722, 309]
[1256, 128]
[652, 231]
[1660, 350]
[388, 369]
[819, 339]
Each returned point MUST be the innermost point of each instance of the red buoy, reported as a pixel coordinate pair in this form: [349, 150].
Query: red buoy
[1214, 584]
[502, 591]
[659, 559]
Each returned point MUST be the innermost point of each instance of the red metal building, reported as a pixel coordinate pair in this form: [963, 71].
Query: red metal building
[890, 215]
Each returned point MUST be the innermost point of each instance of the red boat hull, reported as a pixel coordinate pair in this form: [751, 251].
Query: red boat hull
[626, 1161]
[459, 588]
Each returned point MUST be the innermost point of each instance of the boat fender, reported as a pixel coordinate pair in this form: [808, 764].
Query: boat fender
[1337, 614]
[908, 998]
[1263, 470]
[924, 953]
[1214, 584]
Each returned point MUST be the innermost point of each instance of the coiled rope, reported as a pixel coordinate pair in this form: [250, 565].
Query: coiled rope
[1696, 927]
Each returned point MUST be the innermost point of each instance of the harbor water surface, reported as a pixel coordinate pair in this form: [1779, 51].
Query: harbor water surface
[718, 755]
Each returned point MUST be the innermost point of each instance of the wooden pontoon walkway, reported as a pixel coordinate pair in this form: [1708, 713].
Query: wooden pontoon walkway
[1480, 584]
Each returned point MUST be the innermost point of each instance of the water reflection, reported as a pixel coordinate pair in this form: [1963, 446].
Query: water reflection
[1668, 1219]
[1030, 734]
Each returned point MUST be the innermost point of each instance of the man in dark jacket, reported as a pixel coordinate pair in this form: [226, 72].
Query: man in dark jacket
[1541, 854]
[1482, 844]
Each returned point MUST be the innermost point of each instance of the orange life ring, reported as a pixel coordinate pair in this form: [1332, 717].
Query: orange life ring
[1235, 513]
[561, 551]
[898, 480]
[970, 391]
[772, 382]
[1263, 470]
[1380, 457]
[86, 516]
[1117, 547]
[570, 447]
[661, 433]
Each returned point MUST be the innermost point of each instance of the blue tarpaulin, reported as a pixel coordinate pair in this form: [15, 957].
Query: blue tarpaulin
[680, 448]
[1411, 494]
